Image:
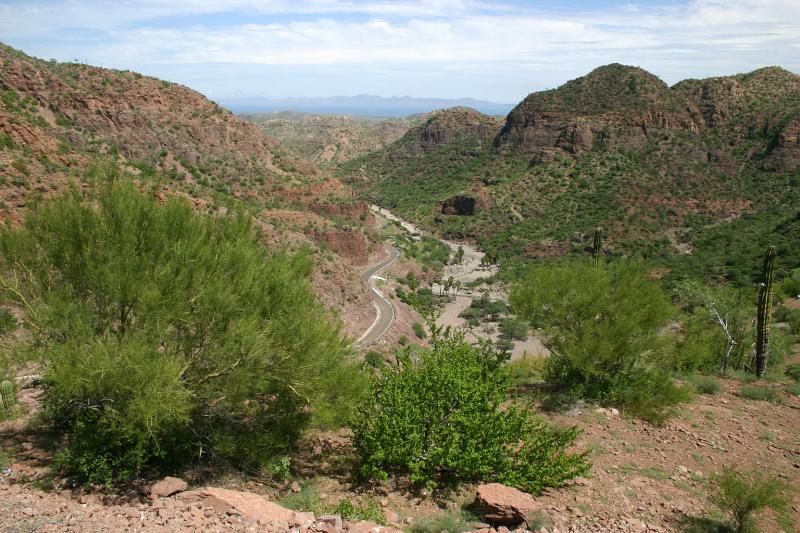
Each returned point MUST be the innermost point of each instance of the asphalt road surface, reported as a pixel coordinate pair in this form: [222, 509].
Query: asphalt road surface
[386, 313]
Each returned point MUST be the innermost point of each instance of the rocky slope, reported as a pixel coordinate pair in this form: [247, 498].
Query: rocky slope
[64, 123]
[330, 139]
[616, 148]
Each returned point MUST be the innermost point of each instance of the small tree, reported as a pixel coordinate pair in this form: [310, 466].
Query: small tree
[742, 494]
[167, 335]
[459, 255]
[729, 311]
[444, 417]
[602, 327]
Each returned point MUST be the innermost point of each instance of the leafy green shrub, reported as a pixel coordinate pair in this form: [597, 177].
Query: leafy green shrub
[419, 330]
[280, 468]
[741, 494]
[164, 332]
[603, 326]
[762, 393]
[706, 385]
[440, 419]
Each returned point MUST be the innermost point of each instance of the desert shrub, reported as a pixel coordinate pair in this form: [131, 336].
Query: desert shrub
[706, 385]
[789, 316]
[457, 520]
[8, 322]
[374, 359]
[164, 332]
[762, 393]
[440, 419]
[419, 330]
[742, 494]
[793, 388]
[307, 500]
[504, 345]
[514, 328]
[369, 510]
[603, 326]
[792, 370]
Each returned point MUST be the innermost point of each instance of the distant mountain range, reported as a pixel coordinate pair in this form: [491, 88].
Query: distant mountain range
[364, 105]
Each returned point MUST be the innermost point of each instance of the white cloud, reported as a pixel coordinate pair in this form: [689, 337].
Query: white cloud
[699, 37]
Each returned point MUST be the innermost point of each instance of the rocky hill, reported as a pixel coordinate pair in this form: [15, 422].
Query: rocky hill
[63, 123]
[654, 165]
[330, 139]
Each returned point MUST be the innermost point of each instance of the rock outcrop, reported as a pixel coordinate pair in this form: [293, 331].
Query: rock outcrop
[614, 106]
[502, 505]
[459, 205]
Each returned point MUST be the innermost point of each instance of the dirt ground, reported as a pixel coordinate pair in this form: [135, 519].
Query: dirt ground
[643, 478]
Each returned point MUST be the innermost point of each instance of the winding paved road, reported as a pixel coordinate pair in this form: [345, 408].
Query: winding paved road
[383, 305]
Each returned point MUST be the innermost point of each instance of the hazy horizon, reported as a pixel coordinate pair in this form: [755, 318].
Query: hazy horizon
[494, 51]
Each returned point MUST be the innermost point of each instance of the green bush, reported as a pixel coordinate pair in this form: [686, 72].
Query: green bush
[442, 418]
[742, 494]
[514, 328]
[369, 510]
[706, 385]
[164, 332]
[419, 330]
[603, 326]
[762, 393]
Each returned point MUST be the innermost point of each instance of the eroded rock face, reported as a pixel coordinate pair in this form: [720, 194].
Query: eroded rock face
[459, 205]
[502, 505]
[446, 126]
[349, 244]
[784, 150]
[614, 105]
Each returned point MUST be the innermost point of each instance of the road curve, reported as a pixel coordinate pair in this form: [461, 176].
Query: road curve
[383, 305]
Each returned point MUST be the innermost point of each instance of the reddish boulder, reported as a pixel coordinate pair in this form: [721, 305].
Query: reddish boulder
[501, 505]
[167, 487]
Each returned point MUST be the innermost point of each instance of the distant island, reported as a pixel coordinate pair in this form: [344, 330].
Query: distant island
[364, 105]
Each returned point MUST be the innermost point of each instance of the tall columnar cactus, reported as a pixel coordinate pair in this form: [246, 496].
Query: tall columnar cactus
[597, 251]
[764, 312]
[8, 398]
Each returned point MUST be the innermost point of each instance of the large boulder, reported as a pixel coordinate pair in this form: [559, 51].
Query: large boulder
[167, 487]
[501, 505]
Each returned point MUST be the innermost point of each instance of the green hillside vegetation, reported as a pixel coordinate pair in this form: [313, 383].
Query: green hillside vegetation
[657, 190]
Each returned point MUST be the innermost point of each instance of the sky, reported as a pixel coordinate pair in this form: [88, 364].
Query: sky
[496, 51]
